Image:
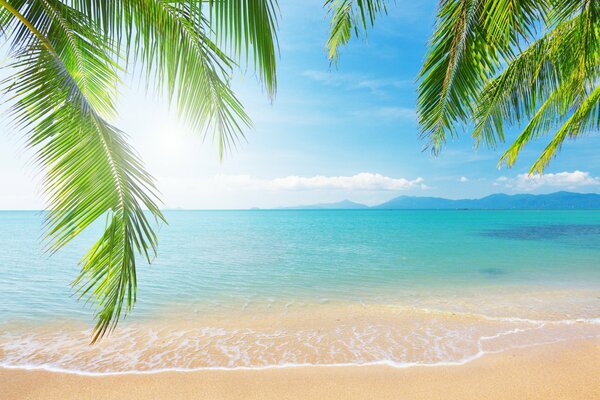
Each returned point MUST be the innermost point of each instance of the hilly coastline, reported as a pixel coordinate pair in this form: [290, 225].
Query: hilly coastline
[553, 201]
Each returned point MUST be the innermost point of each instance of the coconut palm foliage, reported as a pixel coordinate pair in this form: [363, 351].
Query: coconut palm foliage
[348, 17]
[66, 61]
[492, 63]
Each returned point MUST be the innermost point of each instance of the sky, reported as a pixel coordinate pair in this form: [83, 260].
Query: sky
[333, 132]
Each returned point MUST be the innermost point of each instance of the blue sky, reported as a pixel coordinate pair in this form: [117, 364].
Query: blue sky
[333, 133]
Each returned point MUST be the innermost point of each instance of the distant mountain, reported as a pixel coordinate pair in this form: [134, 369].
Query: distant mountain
[340, 205]
[552, 201]
[499, 201]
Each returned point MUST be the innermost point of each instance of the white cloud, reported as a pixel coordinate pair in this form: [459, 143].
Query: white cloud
[397, 113]
[566, 180]
[361, 181]
[224, 191]
[388, 113]
[355, 81]
[463, 179]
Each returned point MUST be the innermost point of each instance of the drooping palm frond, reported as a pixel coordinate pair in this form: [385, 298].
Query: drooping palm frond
[349, 16]
[181, 59]
[248, 26]
[493, 62]
[67, 55]
[455, 68]
[471, 39]
[586, 118]
[91, 172]
[515, 94]
[195, 45]
[542, 85]
[240, 27]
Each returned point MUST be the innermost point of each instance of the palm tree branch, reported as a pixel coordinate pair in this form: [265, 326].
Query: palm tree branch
[247, 27]
[43, 39]
[586, 116]
[514, 94]
[196, 71]
[441, 98]
[471, 40]
[91, 172]
[556, 106]
[175, 42]
[542, 83]
[348, 16]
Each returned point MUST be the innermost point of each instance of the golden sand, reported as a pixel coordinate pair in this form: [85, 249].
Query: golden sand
[568, 370]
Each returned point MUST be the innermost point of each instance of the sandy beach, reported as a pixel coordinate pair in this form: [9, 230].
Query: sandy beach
[567, 370]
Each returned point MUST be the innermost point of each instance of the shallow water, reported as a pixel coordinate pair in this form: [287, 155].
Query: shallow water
[236, 289]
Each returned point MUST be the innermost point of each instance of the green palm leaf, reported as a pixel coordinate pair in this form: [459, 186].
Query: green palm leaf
[349, 16]
[543, 85]
[91, 171]
[493, 62]
[514, 95]
[471, 39]
[248, 27]
[586, 118]
[67, 57]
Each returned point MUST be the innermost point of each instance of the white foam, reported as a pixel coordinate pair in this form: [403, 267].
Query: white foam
[427, 338]
[384, 362]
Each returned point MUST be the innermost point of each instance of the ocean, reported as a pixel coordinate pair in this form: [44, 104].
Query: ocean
[279, 288]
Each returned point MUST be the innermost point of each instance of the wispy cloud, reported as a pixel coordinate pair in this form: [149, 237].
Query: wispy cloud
[396, 113]
[565, 180]
[356, 81]
[364, 181]
[463, 179]
[387, 114]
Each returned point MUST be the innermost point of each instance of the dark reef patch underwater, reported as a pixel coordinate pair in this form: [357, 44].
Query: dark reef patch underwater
[543, 232]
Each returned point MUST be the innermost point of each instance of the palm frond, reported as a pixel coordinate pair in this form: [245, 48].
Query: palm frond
[586, 118]
[547, 116]
[178, 45]
[91, 172]
[515, 94]
[68, 55]
[247, 27]
[196, 71]
[542, 85]
[349, 16]
[456, 65]
[471, 39]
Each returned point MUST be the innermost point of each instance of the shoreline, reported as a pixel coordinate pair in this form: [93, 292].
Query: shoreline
[329, 336]
[559, 370]
[373, 364]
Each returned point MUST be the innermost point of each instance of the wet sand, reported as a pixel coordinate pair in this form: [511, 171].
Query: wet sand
[568, 370]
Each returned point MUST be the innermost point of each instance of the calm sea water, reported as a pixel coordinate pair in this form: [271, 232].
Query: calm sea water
[499, 265]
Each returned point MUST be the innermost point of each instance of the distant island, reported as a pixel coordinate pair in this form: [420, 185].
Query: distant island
[499, 201]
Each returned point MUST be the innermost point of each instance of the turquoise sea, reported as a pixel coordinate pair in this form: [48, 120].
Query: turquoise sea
[255, 289]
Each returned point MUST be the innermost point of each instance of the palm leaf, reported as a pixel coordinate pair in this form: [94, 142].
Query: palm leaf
[515, 94]
[180, 41]
[454, 69]
[91, 172]
[586, 118]
[349, 16]
[247, 27]
[542, 85]
[471, 39]
[67, 57]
